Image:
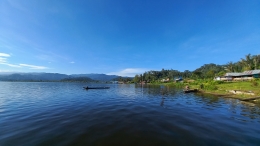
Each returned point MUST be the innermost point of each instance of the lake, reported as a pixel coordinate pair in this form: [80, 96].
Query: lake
[49, 113]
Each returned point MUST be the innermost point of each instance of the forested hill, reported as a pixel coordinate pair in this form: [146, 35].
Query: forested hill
[99, 77]
[32, 77]
[250, 62]
[55, 77]
[77, 79]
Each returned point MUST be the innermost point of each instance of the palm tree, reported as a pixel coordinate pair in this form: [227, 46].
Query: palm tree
[230, 66]
[247, 62]
[256, 59]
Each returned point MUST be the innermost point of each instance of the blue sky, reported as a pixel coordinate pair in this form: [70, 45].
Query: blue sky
[125, 37]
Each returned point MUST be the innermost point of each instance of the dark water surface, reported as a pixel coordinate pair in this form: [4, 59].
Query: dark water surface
[65, 114]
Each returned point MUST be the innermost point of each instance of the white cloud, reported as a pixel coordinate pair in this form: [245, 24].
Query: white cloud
[11, 65]
[33, 66]
[4, 55]
[3, 58]
[72, 62]
[130, 72]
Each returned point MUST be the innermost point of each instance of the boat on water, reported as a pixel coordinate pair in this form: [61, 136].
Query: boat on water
[190, 90]
[95, 88]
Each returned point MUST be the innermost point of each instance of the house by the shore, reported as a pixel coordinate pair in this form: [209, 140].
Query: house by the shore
[165, 80]
[234, 76]
[178, 79]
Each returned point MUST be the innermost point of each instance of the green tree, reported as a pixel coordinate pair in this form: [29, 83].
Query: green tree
[210, 74]
[136, 79]
[247, 62]
[197, 74]
[222, 73]
[230, 66]
[256, 61]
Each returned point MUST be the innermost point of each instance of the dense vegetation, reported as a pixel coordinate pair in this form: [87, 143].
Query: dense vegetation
[207, 71]
[250, 62]
[97, 77]
[123, 79]
[77, 79]
[202, 78]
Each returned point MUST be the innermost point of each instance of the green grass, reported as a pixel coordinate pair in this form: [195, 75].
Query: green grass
[243, 86]
[177, 85]
[220, 87]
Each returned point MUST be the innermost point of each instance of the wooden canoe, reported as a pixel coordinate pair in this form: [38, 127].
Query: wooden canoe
[96, 88]
[190, 90]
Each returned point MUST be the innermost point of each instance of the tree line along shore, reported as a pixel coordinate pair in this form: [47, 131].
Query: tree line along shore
[204, 78]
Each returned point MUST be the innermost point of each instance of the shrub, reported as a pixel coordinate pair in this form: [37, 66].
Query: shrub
[254, 83]
[219, 82]
[208, 86]
[177, 85]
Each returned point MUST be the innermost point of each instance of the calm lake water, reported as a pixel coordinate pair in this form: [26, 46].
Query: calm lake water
[66, 114]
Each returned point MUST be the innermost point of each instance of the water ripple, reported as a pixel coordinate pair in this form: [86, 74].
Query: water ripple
[66, 114]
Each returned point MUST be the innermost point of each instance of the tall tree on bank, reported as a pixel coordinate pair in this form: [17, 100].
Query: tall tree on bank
[250, 62]
[247, 62]
[230, 66]
[256, 61]
[136, 79]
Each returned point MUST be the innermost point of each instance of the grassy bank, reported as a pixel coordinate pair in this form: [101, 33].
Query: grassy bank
[221, 88]
[245, 88]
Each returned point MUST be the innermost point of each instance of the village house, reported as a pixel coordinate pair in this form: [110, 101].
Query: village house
[165, 80]
[178, 79]
[234, 76]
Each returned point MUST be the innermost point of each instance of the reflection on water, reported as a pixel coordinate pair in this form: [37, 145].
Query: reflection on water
[66, 114]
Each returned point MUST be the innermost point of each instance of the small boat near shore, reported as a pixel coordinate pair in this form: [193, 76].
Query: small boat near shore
[190, 90]
[95, 88]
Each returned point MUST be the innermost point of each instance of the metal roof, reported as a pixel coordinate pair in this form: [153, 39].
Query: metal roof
[250, 72]
[233, 74]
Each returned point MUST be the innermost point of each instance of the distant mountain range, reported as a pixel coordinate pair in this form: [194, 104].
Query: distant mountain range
[55, 77]
[98, 77]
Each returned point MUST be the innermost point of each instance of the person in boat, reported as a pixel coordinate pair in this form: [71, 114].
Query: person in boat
[201, 86]
[187, 87]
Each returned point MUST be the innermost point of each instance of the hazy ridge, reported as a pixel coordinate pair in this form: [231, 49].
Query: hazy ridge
[55, 77]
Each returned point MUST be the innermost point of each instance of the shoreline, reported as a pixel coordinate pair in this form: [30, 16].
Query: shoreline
[230, 95]
[245, 95]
